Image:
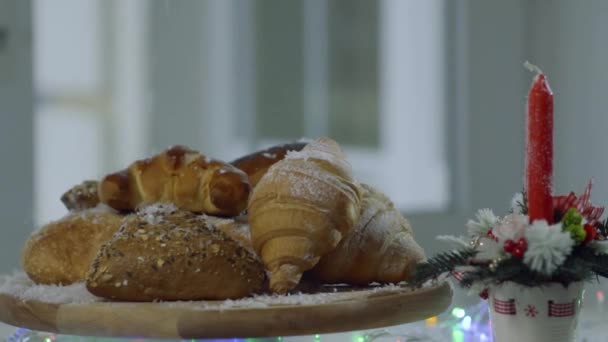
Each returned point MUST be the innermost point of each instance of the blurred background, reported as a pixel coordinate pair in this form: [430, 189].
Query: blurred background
[426, 97]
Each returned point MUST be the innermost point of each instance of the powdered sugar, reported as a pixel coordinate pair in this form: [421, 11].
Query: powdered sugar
[329, 295]
[307, 181]
[86, 214]
[324, 149]
[101, 208]
[311, 154]
[215, 220]
[154, 213]
[20, 286]
[190, 157]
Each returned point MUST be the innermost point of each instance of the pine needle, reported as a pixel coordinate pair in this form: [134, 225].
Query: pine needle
[441, 264]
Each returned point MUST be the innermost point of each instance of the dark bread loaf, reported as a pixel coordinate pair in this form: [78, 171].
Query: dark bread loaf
[162, 253]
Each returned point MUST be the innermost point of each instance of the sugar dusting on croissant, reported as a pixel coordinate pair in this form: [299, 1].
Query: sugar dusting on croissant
[257, 163]
[181, 176]
[381, 247]
[300, 210]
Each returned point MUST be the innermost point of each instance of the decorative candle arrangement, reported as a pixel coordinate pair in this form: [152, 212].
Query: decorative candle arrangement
[531, 263]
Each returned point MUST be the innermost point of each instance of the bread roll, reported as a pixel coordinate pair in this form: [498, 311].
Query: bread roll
[82, 196]
[181, 176]
[61, 252]
[256, 164]
[162, 253]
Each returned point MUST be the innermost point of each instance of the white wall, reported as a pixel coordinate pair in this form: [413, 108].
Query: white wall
[16, 144]
[570, 45]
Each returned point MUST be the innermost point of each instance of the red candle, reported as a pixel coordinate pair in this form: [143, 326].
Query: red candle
[539, 150]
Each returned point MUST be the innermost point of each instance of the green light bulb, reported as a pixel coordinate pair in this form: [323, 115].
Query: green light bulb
[457, 336]
[458, 312]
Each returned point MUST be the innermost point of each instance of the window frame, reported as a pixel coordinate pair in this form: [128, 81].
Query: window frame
[229, 66]
[473, 59]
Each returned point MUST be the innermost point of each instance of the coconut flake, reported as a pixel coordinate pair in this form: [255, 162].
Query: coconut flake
[155, 213]
[331, 294]
[20, 286]
[311, 154]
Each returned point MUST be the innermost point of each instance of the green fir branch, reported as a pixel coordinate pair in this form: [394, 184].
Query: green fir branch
[514, 270]
[575, 268]
[441, 264]
[523, 204]
[481, 273]
[597, 264]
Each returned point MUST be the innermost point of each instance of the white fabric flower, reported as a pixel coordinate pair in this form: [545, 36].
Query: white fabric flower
[488, 249]
[548, 247]
[599, 247]
[485, 221]
[511, 227]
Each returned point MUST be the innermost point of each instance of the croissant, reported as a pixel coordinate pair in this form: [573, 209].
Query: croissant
[300, 210]
[256, 164]
[82, 196]
[180, 176]
[380, 248]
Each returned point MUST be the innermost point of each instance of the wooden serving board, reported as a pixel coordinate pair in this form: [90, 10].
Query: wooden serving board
[340, 311]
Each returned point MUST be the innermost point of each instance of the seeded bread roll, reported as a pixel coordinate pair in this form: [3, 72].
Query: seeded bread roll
[61, 252]
[237, 228]
[162, 253]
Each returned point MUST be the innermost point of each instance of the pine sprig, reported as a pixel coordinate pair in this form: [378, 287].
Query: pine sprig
[513, 269]
[594, 263]
[481, 273]
[575, 268]
[603, 228]
[441, 264]
[523, 204]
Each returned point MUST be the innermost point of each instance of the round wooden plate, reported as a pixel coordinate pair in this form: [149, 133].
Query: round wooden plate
[340, 311]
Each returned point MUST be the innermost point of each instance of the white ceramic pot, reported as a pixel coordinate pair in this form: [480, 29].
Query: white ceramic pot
[535, 314]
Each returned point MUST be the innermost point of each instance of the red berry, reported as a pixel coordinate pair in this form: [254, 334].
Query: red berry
[518, 252]
[523, 244]
[484, 294]
[509, 246]
[491, 235]
[591, 233]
